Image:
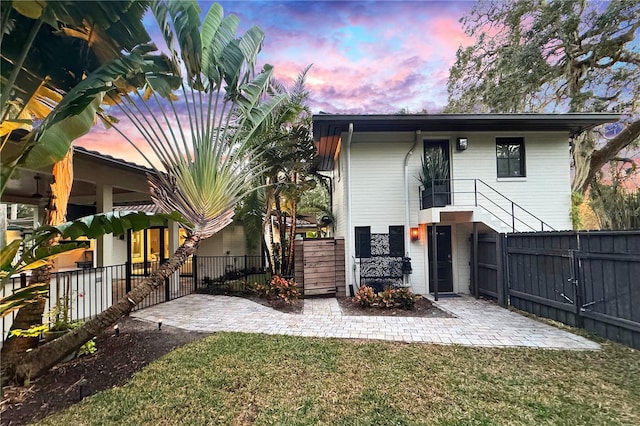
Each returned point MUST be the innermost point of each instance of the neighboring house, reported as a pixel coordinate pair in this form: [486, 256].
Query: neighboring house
[504, 173]
[104, 183]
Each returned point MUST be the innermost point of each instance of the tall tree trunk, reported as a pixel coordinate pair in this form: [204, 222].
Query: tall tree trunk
[266, 224]
[281, 230]
[38, 361]
[56, 212]
[292, 229]
[582, 150]
[588, 161]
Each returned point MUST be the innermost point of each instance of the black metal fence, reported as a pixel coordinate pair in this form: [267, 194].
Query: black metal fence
[583, 279]
[84, 293]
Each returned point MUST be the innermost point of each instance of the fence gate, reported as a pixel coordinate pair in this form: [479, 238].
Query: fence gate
[487, 263]
[542, 275]
[319, 266]
[584, 279]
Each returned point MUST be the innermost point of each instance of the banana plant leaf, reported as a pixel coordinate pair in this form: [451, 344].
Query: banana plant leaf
[74, 115]
[22, 297]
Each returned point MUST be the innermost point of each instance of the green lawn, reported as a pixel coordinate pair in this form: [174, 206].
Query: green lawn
[231, 378]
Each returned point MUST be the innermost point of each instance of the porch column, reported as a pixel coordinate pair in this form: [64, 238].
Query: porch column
[474, 262]
[174, 243]
[434, 259]
[104, 203]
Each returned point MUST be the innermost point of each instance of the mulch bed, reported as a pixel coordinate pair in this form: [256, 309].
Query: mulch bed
[118, 358]
[423, 308]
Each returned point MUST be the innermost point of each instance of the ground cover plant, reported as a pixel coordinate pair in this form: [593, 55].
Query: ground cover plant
[233, 378]
[401, 297]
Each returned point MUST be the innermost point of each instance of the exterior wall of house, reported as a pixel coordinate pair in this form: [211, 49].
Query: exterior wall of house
[546, 189]
[119, 251]
[378, 200]
[339, 197]
[462, 255]
[231, 239]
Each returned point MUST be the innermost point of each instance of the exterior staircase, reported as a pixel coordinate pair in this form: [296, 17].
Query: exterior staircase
[482, 202]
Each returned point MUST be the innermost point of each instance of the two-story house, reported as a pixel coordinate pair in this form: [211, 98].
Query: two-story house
[494, 173]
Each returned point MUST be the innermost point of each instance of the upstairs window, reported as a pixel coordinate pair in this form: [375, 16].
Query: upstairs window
[510, 157]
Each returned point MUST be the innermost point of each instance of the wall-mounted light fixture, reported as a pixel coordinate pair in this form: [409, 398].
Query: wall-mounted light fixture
[414, 233]
[461, 144]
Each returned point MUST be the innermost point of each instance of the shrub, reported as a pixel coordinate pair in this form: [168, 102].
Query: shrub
[401, 298]
[279, 288]
[386, 298]
[365, 296]
[404, 298]
[284, 289]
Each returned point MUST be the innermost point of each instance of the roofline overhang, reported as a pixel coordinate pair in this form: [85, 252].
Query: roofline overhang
[328, 128]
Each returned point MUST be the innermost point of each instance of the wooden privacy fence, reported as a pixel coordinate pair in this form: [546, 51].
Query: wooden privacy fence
[589, 280]
[319, 266]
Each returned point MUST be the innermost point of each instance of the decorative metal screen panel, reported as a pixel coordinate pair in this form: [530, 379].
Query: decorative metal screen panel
[381, 270]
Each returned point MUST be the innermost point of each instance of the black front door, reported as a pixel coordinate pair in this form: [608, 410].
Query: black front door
[445, 269]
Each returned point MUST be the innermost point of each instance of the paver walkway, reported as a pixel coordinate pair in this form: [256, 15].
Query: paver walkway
[476, 323]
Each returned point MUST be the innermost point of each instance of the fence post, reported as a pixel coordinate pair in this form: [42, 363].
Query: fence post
[127, 278]
[502, 279]
[167, 289]
[23, 280]
[194, 272]
[575, 260]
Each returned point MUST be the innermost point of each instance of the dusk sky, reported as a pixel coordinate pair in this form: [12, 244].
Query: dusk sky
[368, 56]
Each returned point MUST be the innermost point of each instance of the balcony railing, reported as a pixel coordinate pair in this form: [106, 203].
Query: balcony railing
[477, 193]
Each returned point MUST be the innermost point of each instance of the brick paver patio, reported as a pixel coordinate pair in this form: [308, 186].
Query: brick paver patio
[475, 323]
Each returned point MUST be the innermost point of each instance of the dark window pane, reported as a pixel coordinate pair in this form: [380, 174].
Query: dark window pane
[514, 168]
[503, 167]
[501, 151]
[363, 241]
[396, 241]
[514, 151]
[510, 157]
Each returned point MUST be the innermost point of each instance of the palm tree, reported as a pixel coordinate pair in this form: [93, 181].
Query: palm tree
[288, 155]
[202, 164]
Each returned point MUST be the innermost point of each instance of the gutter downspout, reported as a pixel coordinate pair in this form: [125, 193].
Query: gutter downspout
[407, 220]
[351, 266]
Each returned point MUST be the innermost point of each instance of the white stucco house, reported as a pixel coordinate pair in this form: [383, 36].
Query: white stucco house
[504, 173]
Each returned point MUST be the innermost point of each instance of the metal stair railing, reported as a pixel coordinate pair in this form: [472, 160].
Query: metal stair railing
[482, 197]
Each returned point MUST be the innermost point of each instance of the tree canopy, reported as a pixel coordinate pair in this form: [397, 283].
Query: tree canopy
[554, 56]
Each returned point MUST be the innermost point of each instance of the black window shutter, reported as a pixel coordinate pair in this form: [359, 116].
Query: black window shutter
[396, 241]
[363, 241]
